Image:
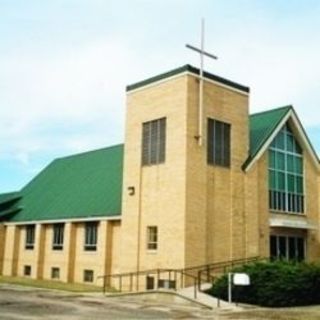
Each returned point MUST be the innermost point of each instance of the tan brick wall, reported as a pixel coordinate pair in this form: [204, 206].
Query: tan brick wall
[11, 252]
[91, 260]
[160, 189]
[215, 195]
[56, 258]
[257, 208]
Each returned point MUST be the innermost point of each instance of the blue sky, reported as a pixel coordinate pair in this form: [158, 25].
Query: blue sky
[65, 64]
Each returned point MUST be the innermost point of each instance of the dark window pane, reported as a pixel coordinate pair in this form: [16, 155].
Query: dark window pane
[290, 163]
[282, 253]
[273, 247]
[300, 249]
[279, 141]
[298, 165]
[292, 248]
[290, 143]
[218, 143]
[226, 137]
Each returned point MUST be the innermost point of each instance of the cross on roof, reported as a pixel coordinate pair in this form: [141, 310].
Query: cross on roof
[202, 54]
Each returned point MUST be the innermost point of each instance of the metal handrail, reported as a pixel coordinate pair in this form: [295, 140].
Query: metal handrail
[185, 272]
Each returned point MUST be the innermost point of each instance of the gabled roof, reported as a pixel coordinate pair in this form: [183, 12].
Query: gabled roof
[85, 185]
[264, 126]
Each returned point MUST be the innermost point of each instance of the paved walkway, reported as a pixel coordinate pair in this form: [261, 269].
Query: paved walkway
[20, 303]
[207, 299]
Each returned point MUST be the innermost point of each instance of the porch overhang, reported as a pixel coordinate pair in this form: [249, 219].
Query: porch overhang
[292, 222]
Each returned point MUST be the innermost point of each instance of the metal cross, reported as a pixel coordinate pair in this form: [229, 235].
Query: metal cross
[202, 54]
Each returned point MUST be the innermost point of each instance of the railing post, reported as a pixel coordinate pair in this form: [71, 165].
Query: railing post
[195, 288]
[158, 278]
[199, 279]
[120, 283]
[131, 282]
[208, 273]
[137, 281]
[104, 285]
[181, 279]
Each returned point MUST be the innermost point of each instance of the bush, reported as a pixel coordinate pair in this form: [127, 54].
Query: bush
[274, 284]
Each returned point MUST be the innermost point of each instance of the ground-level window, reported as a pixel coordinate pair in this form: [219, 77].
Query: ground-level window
[58, 235]
[91, 236]
[27, 270]
[88, 275]
[287, 248]
[55, 273]
[166, 284]
[30, 236]
[152, 237]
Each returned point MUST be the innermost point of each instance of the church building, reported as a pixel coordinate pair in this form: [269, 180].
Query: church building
[192, 184]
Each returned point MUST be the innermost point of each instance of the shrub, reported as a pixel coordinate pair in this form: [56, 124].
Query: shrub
[274, 284]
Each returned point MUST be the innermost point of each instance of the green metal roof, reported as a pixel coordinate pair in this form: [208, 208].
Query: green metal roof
[79, 186]
[8, 197]
[89, 184]
[262, 125]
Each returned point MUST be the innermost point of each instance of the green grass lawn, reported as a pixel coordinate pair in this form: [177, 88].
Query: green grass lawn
[47, 284]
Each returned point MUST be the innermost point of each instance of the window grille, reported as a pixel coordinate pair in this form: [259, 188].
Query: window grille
[153, 142]
[218, 144]
[286, 190]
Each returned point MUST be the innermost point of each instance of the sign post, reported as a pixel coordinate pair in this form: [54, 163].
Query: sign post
[238, 279]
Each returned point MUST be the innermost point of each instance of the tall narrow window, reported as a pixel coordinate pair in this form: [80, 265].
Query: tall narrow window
[152, 238]
[286, 192]
[58, 235]
[154, 142]
[91, 236]
[218, 148]
[30, 236]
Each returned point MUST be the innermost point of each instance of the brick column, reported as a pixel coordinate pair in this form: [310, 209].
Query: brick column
[2, 245]
[11, 251]
[39, 252]
[70, 244]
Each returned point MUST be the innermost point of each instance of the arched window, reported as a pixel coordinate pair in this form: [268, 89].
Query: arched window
[286, 192]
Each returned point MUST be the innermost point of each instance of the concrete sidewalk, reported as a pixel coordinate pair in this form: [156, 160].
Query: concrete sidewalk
[206, 299]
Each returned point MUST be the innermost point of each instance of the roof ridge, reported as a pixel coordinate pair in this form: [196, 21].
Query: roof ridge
[289, 106]
[88, 151]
